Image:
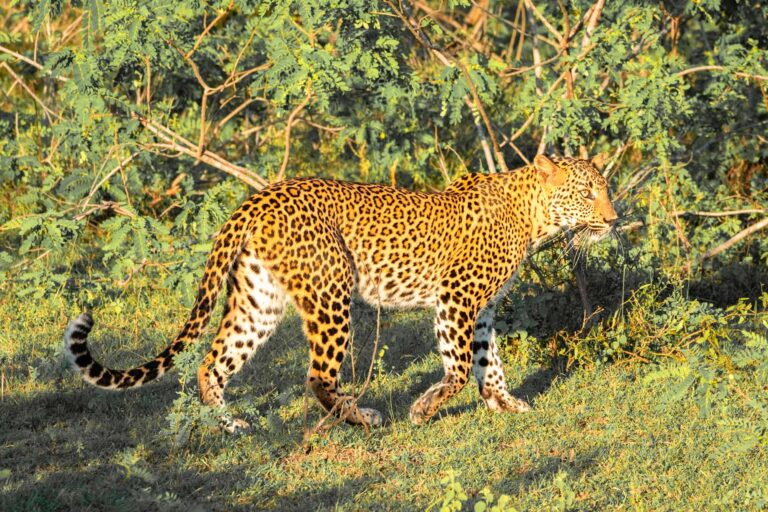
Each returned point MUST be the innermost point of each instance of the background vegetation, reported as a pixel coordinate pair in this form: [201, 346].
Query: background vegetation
[129, 130]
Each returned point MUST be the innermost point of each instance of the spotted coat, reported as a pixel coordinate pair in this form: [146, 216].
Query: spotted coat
[315, 242]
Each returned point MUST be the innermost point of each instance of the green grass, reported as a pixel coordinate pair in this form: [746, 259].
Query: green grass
[598, 439]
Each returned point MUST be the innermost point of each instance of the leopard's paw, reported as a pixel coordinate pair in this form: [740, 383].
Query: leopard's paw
[419, 411]
[233, 425]
[504, 402]
[370, 417]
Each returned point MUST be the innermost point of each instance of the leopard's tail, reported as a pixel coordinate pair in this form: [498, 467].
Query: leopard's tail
[227, 247]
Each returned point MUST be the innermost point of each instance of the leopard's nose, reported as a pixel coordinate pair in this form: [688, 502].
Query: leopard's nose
[609, 214]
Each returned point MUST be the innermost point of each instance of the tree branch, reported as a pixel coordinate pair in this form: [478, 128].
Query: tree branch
[413, 26]
[757, 226]
[544, 21]
[208, 28]
[178, 143]
[107, 176]
[731, 213]
[48, 112]
[288, 126]
[697, 69]
[31, 62]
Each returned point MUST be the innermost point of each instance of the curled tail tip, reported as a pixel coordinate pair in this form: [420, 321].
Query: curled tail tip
[78, 329]
[75, 336]
[86, 318]
[80, 359]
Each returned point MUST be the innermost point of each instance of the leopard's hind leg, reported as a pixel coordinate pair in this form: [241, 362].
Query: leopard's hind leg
[254, 308]
[322, 294]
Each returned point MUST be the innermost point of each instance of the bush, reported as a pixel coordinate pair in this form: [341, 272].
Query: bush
[130, 130]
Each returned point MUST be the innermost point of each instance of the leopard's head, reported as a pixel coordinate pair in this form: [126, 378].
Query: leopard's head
[578, 197]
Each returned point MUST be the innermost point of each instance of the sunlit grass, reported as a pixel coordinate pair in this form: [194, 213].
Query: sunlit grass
[599, 438]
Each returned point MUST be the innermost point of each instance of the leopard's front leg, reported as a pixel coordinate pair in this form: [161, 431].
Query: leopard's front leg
[454, 326]
[487, 367]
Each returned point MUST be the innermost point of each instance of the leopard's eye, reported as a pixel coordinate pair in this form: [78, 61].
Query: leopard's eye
[587, 194]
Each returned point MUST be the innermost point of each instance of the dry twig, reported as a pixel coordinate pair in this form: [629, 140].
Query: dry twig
[760, 78]
[475, 104]
[29, 61]
[750, 211]
[49, 113]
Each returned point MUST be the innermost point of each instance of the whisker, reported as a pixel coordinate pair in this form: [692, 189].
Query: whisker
[584, 240]
[620, 243]
[572, 242]
[585, 247]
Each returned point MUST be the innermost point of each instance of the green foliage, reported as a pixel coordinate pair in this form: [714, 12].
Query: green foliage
[712, 372]
[129, 130]
[94, 187]
[454, 498]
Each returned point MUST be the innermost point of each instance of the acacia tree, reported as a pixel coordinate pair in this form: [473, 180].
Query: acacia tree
[131, 128]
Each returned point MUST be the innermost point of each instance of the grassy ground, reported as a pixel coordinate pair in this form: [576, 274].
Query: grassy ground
[596, 439]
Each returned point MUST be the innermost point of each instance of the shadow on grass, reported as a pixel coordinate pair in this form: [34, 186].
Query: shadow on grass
[549, 467]
[330, 496]
[73, 450]
[63, 447]
[412, 339]
[730, 283]
[58, 446]
[536, 384]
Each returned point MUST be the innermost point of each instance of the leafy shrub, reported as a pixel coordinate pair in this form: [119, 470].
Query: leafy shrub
[130, 129]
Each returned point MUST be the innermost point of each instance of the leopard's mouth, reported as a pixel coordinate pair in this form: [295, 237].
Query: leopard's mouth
[596, 234]
[592, 232]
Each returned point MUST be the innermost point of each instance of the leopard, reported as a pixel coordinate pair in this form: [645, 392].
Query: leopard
[318, 243]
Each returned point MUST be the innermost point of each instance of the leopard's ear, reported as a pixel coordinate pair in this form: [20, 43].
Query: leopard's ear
[548, 171]
[599, 160]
